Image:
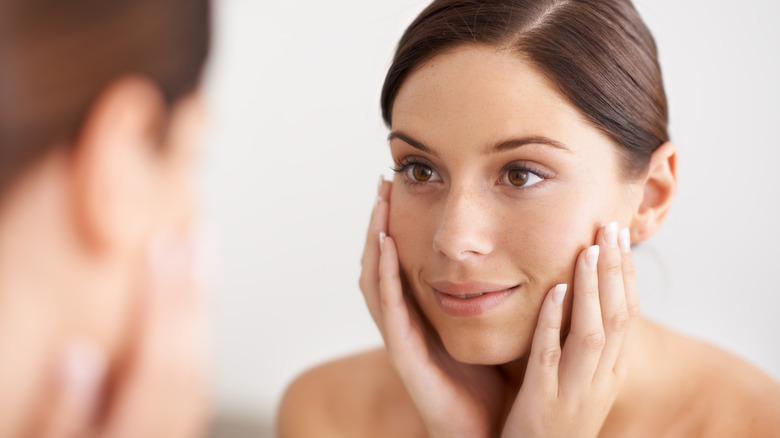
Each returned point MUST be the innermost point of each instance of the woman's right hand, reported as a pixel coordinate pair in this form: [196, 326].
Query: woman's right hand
[454, 399]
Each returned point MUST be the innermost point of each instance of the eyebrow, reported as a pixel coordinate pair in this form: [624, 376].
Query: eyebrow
[522, 141]
[410, 141]
[505, 145]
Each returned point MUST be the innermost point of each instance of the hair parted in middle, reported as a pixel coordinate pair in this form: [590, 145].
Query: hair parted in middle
[597, 53]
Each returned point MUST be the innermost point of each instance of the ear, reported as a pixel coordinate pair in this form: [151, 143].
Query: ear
[114, 159]
[659, 186]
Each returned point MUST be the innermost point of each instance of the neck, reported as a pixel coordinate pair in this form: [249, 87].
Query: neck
[514, 373]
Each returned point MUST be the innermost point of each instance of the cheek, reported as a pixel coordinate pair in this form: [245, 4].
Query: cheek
[541, 239]
[544, 240]
[412, 226]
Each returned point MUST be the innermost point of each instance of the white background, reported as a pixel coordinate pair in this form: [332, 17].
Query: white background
[296, 146]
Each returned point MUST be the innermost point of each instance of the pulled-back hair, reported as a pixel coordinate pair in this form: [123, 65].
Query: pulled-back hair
[598, 53]
[56, 56]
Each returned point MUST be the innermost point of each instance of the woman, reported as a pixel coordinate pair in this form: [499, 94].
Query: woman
[100, 319]
[531, 149]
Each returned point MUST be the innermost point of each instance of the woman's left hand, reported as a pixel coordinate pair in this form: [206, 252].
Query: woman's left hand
[569, 391]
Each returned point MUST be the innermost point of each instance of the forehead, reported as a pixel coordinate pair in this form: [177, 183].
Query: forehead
[477, 94]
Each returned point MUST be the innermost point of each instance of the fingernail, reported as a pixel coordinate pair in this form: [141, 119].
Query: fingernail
[378, 200]
[625, 240]
[559, 293]
[592, 257]
[611, 234]
[382, 236]
[381, 180]
[82, 369]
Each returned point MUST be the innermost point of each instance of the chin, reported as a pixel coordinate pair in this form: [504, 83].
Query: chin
[484, 348]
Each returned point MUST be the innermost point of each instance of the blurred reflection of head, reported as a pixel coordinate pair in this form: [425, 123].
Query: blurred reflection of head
[99, 116]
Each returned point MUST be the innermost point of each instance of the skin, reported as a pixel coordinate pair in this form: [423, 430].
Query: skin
[472, 224]
[589, 366]
[96, 278]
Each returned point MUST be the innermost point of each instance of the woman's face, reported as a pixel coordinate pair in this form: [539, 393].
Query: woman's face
[500, 184]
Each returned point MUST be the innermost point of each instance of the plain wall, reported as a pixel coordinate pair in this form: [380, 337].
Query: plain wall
[296, 146]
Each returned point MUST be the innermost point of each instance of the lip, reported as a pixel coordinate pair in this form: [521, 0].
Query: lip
[465, 300]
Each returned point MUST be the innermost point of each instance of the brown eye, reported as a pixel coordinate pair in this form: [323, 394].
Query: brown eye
[420, 173]
[521, 177]
[517, 177]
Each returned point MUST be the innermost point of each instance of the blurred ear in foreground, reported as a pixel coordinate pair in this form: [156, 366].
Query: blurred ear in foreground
[113, 162]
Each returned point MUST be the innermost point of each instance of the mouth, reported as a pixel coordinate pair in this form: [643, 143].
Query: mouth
[464, 300]
[466, 297]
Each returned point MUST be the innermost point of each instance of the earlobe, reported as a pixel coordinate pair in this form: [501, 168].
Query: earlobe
[113, 162]
[659, 186]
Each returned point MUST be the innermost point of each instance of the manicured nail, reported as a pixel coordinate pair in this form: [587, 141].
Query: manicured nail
[592, 257]
[611, 234]
[559, 293]
[381, 180]
[382, 236]
[624, 237]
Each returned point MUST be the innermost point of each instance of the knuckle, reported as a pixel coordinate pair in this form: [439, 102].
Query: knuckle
[595, 341]
[386, 298]
[619, 320]
[592, 292]
[385, 301]
[614, 269]
[392, 277]
[552, 325]
[549, 357]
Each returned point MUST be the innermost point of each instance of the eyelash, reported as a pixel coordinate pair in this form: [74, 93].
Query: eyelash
[408, 163]
[402, 167]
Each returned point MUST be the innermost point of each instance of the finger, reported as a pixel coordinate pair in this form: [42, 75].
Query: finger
[74, 402]
[395, 313]
[369, 276]
[632, 295]
[613, 299]
[629, 273]
[163, 393]
[585, 342]
[404, 341]
[541, 376]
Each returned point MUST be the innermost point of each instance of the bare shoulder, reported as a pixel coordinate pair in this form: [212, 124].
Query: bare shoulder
[734, 397]
[750, 394]
[359, 395]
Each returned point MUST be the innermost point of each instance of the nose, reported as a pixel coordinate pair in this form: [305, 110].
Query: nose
[464, 227]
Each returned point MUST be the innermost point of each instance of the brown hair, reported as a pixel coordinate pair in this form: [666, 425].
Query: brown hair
[598, 53]
[56, 57]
